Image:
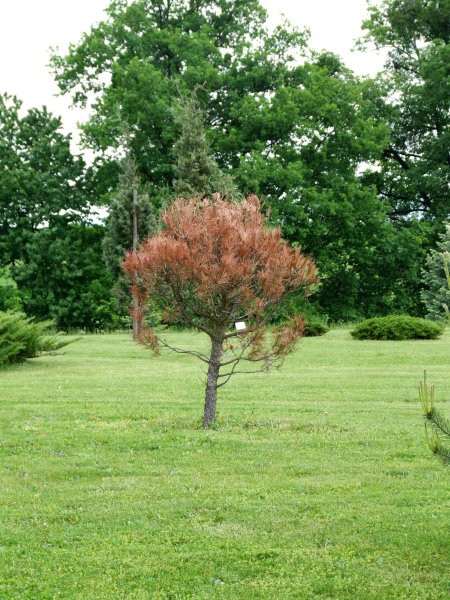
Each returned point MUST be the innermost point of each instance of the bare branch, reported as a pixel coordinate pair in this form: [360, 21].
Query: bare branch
[228, 375]
[199, 355]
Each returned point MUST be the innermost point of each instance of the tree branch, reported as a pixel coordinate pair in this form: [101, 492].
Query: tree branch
[199, 355]
[228, 376]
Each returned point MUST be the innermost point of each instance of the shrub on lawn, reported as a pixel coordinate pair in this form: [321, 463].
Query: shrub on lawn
[397, 327]
[314, 327]
[297, 304]
[21, 338]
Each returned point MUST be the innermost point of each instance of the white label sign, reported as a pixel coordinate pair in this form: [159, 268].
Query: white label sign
[240, 326]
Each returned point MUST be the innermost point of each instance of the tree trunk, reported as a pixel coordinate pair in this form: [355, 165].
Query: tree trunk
[135, 319]
[136, 324]
[209, 415]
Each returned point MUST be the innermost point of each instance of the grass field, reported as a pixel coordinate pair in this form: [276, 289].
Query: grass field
[317, 482]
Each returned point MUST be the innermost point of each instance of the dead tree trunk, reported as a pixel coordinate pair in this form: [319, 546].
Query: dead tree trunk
[136, 324]
[209, 415]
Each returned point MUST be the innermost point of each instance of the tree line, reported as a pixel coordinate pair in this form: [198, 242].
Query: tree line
[192, 97]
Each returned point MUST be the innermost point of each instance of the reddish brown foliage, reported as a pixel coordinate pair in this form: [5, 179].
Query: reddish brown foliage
[217, 262]
[223, 255]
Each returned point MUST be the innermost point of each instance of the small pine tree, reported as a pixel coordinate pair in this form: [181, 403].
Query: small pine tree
[435, 277]
[437, 427]
[216, 266]
[119, 227]
[197, 174]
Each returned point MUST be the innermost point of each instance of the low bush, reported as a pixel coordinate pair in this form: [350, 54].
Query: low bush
[397, 327]
[316, 322]
[315, 327]
[22, 338]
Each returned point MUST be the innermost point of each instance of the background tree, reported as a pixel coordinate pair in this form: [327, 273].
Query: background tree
[355, 171]
[314, 140]
[216, 263]
[9, 292]
[413, 171]
[131, 218]
[436, 295]
[64, 278]
[197, 173]
[151, 51]
[299, 136]
[41, 181]
[53, 252]
[414, 175]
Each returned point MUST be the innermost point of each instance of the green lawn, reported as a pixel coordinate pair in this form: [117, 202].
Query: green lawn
[317, 482]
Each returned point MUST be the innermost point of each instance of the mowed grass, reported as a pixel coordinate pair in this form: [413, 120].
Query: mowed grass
[317, 482]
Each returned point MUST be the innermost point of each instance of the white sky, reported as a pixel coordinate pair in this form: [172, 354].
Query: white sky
[28, 28]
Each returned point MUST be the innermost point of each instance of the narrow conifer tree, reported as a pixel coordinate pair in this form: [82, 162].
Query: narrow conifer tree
[131, 219]
[197, 174]
[437, 427]
[436, 279]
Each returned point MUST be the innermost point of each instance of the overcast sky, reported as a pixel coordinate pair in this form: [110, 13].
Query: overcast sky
[28, 28]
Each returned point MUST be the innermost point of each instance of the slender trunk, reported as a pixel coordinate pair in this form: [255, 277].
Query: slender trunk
[135, 317]
[135, 245]
[209, 415]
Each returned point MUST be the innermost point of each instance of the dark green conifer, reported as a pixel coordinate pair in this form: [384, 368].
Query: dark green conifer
[436, 279]
[130, 198]
[196, 171]
[437, 427]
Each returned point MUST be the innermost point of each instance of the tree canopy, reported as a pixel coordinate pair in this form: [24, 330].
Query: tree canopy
[353, 170]
[299, 136]
[148, 52]
[414, 177]
[46, 242]
[41, 181]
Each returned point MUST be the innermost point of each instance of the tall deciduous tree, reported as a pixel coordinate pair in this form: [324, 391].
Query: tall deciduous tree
[324, 135]
[41, 181]
[53, 253]
[415, 171]
[296, 135]
[148, 52]
[308, 139]
[216, 263]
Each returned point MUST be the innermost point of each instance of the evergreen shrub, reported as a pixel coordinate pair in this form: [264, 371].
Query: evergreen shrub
[315, 326]
[21, 338]
[397, 327]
